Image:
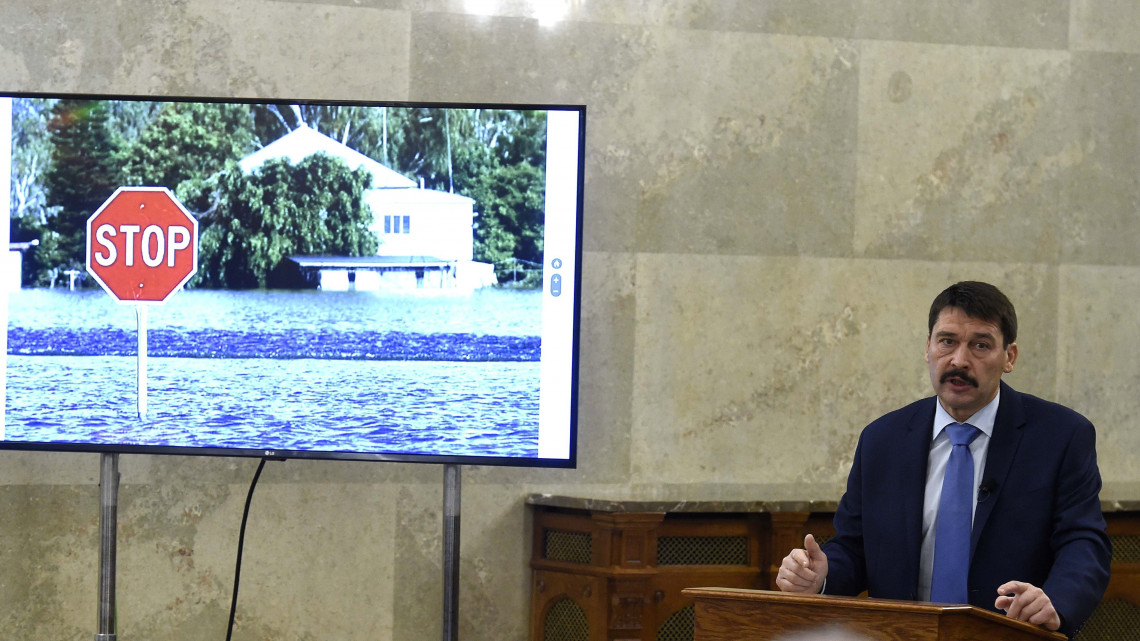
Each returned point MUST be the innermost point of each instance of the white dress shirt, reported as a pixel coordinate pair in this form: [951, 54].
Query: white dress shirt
[939, 456]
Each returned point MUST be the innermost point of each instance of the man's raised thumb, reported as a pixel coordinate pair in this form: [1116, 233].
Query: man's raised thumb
[812, 547]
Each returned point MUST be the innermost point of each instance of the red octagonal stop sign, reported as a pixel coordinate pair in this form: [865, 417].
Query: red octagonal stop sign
[142, 244]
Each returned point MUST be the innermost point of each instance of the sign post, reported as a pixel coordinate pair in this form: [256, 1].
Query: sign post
[142, 246]
[140, 369]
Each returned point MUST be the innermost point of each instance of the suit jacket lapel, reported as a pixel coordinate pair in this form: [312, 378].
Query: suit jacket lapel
[1008, 429]
[914, 456]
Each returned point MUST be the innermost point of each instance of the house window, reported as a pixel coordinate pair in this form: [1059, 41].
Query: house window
[397, 224]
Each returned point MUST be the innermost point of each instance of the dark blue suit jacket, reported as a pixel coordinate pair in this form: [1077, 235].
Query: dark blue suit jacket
[1039, 522]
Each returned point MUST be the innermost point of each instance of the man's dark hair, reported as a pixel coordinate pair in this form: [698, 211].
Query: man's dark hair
[978, 300]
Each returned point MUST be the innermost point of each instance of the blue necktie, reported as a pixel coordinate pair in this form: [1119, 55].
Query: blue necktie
[955, 513]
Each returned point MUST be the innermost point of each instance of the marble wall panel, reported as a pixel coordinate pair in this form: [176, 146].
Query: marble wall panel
[1105, 25]
[49, 550]
[697, 141]
[1099, 372]
[176, 550]
[1031, 155]
[303, 472]
[495, 589]
[963, 153]
[319, 558]
[368, 4]
[1036, 24]
[48, 468]
[319, 555]
[799, 17]
[55, 468]
[1025, 23]
[765, 369]
[207, 47]
[1021, 23]
[775, 191]
[417, 544]
[1102, 191]
[494, 592]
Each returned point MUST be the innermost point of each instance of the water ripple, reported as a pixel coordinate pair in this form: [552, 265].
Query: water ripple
[286, 344]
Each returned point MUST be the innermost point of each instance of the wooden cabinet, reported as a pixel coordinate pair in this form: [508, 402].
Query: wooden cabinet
[614, 570]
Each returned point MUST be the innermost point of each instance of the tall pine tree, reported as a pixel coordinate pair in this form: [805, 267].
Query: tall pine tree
[83, 174]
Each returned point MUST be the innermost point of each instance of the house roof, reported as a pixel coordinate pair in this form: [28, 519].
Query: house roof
[304, 142]
[398, 197]
[369, 262]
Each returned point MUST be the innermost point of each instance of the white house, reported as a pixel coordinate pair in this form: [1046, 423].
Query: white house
[13, 269]
[426, 236]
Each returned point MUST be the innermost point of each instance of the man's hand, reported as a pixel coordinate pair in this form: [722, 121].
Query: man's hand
[803, 570]
[1027, 602]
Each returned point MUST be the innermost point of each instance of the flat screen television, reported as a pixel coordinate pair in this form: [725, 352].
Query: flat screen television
[370, 281]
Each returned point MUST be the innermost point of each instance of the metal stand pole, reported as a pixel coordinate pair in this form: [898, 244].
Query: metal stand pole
[108, 525]
[451, 496]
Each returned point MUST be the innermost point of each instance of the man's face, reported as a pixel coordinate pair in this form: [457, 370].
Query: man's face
[966, 361]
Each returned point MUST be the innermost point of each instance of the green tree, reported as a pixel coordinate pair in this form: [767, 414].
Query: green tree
[315, 207]
[509, 228]
[31, 156]
[418, 144]
[185, 148]
[501, 163]
[32, 150]
[495, 156]
[82, 175]
[513, 136]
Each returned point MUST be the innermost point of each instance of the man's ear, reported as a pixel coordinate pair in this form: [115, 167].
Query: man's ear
[1010, 357]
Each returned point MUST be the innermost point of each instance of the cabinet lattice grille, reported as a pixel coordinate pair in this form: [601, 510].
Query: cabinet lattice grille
[1113, 620]
[702, 550]
[565, 621]
[1126, 548]
[570, 547]
[678, 627]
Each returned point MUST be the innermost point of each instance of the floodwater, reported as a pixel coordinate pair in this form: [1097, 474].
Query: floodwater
[419, 373]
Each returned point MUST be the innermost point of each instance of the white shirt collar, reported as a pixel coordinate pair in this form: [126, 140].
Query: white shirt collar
[983, 419]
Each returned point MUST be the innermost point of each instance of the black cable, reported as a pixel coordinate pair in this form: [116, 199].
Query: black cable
[241, 544]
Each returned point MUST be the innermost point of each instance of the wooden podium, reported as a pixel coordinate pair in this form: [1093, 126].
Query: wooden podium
[724, 614]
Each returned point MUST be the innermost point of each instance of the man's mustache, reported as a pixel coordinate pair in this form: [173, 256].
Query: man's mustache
[958, 373]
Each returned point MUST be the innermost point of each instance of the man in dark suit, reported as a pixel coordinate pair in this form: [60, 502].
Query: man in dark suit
[1037, 546]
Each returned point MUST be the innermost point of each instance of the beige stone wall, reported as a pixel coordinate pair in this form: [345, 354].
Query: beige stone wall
[775, 191]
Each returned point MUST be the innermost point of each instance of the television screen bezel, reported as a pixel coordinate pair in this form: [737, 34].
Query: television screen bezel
[570, 462]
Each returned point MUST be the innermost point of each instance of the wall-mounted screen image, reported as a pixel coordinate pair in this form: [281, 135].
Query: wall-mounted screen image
[377, 281]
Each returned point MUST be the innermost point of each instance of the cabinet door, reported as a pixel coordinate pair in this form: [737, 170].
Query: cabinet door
[567, 607]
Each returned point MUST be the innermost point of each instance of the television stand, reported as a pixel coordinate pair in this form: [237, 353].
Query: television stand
[451, 496]
[108, 522]
[108, 526]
